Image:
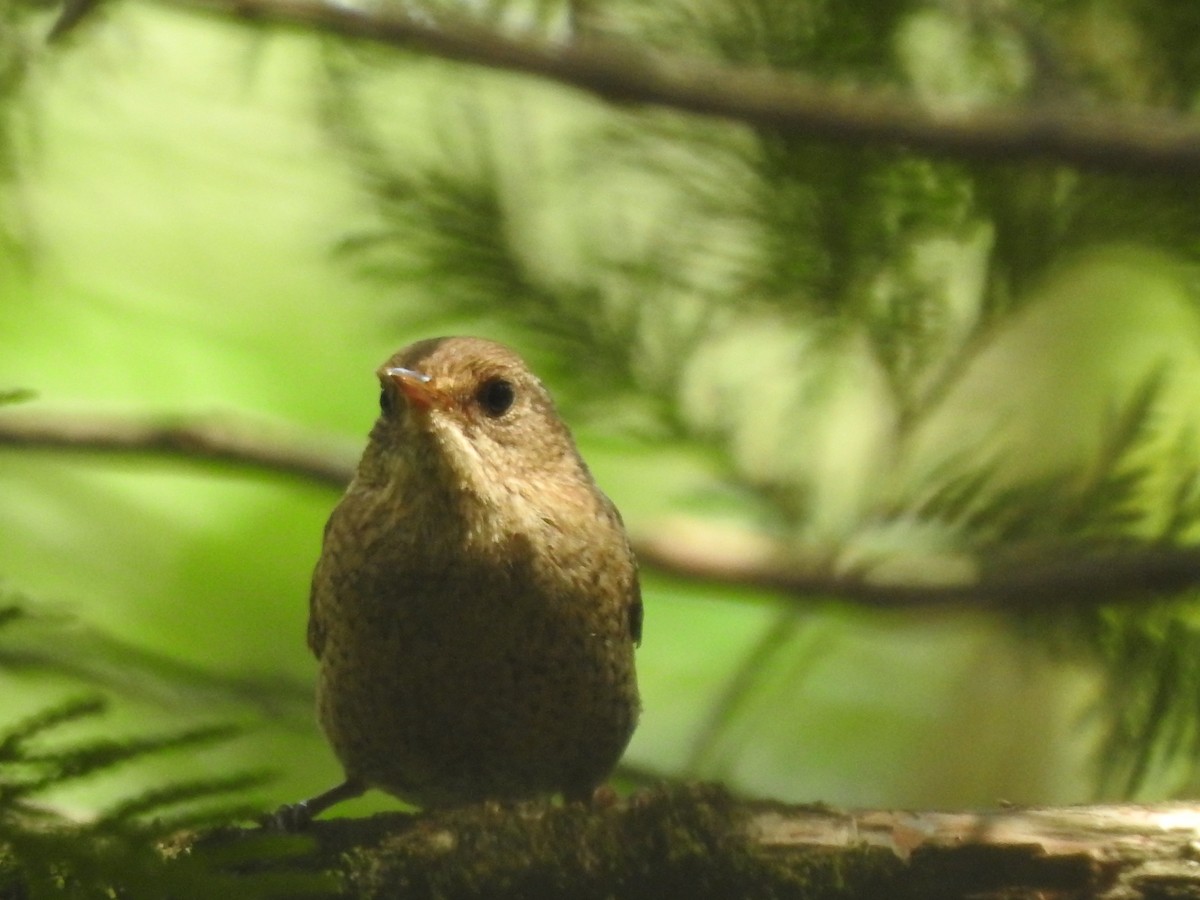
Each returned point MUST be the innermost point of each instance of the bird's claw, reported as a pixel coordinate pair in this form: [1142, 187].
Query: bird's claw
[289, 817]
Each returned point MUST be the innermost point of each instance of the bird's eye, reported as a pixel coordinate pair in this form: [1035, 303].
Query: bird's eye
[495, 396]
[386, 402]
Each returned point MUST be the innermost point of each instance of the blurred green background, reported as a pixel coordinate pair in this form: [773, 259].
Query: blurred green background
[196, 214]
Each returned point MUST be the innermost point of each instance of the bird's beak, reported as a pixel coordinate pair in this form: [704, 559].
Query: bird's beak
[417, 387]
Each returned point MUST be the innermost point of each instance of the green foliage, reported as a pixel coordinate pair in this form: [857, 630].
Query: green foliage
[1152, 652]
[451, 220]
[127, 849]
[1106, 501]
[140, 846]
[833, 246]
[1149, 708]
[45, 643]
[17, 50]
[819, 38]
[1141, 46]
[800, 317]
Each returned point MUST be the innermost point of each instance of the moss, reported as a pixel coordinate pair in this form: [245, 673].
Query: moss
[689, 841]
[12, 882]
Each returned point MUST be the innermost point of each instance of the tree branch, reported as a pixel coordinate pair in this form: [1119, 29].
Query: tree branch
[213, 440]
[697, 841]
[1068, 579]
[1135, 573]
[623, 72]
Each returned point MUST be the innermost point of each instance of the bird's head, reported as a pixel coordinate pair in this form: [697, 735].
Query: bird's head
[469, 414]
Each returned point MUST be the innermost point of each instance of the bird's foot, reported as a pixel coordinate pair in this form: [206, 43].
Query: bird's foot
[289, 817]
[297, 816]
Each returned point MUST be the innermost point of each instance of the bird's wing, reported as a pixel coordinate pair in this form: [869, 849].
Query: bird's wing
[316, 606]
[316, 626]
[633, 610]
[636, 613]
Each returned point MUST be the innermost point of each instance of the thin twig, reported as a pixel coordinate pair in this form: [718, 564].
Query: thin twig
[1128, 141]
[1100, 577]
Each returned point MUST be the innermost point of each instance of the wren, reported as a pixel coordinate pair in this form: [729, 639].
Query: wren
[476, 604]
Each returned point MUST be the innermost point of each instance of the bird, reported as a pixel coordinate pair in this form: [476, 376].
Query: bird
[476, 604]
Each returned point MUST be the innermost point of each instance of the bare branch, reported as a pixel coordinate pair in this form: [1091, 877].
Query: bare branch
[244, 446]
[1135, 573]
[1127, 141]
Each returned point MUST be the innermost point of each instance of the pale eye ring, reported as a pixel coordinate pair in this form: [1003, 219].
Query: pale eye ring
[495, 396]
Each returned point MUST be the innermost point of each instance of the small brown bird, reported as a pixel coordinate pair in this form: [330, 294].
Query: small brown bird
[476, 604]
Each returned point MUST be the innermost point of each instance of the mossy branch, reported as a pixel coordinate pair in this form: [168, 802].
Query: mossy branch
[697, 841]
